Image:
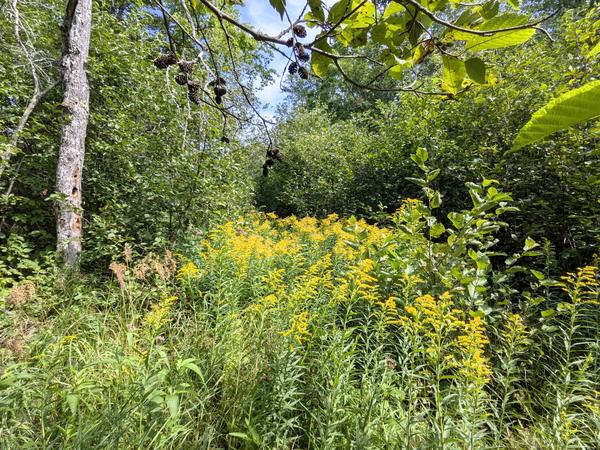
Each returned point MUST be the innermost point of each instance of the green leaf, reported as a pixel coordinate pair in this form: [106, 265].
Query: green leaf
[73, 402]
[319, 62]
[437, 230]
[529, 244]
[514, 3]
[338, 11]
[317, 9]
[453, 73]
[501, 39]
[489, 9]
[435, 200]
[537, 274]
[279, 6]
[571, 108]
[548, 313]
[417, 181]
[476, 70]
[433, 175]
[172, 401]
[393, 8]
[593, 52]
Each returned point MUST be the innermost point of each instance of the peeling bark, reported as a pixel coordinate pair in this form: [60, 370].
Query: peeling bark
[77, 28]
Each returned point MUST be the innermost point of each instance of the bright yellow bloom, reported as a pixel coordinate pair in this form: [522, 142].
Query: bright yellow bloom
[159, 312]
[187, 271]
[299, 328]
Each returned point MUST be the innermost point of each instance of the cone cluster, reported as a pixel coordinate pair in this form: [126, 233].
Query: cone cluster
[273, 154]
[301, 56]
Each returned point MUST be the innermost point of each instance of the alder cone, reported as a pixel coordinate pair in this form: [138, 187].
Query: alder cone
[186, 66]
[220, 91]
[193, 86]
[303, 72]
[181, 78]
[293, 67]
[193, 96]
[299, 31]
[289, 42]
[304, 57]
[300, 50]
[166, 60]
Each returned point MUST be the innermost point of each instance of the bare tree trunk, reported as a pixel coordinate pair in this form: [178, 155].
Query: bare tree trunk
[77, 28]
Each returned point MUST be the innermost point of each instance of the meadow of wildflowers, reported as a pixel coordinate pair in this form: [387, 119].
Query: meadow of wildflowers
[302, 333]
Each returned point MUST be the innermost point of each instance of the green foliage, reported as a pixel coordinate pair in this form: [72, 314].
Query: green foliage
[571, 108]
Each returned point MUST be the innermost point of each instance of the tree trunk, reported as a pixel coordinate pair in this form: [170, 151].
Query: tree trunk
[77, 29]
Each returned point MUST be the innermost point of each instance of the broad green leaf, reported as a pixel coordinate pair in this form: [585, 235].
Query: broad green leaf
[497, 40]
[437, 230]
[547, 313]
[453, 73]
[489, 9]
[539, 275]
[393, 8]
[476, 70]
[279, 6]
[593, 52]
[338, 11]
[364, 17]
[317, 9]
[529, 244]
[571, 108]
[73, 402]
[319, 62]
[514, 3]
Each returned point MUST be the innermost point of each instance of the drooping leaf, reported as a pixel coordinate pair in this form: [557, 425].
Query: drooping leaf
[279, 6]
[453, 73]
[317, 9]
[338, 10]
[571, 108]
[476, 70]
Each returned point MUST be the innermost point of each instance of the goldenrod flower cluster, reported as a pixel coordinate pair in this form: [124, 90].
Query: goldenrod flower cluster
[582, 286]
[159, 313]
[446, 333]
[187, 271]
[299, 328]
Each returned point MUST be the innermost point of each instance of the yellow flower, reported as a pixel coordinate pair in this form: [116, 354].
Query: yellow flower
[299, 328]
[159, 312]
[189, 270]
[68, 339]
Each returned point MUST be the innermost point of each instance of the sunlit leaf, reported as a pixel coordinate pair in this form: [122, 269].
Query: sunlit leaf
[571, 108]
[317, 9]
[453, 73]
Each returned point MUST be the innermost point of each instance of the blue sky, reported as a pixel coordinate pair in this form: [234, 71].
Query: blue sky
[261, 15]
